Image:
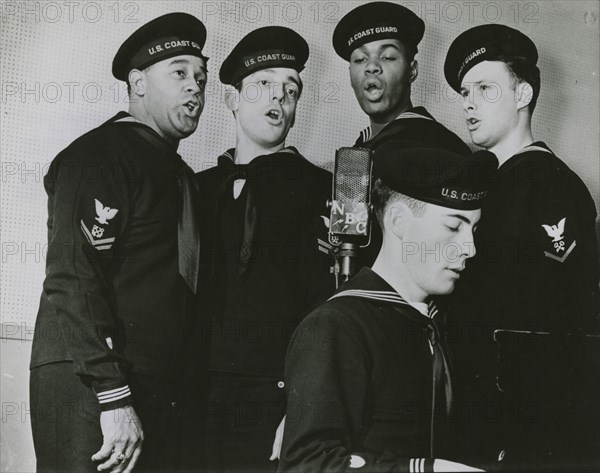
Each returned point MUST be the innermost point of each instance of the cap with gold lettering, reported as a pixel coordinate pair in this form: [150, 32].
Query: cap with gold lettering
[485, 43]
[374, 21]
[435, 175]
[174, 34]
[264, 48]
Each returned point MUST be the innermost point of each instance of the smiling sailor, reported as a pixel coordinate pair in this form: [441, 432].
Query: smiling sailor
[267, 260]
[122, 268]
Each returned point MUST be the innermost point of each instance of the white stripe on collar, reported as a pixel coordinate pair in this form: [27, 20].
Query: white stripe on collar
[227, 154]
[412, 115]
[367, 133]
[433, 310]
[533, 148]
[385, 296]
[128, 119]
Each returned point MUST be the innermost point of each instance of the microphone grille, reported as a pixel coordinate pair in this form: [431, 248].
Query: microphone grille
[352, 174]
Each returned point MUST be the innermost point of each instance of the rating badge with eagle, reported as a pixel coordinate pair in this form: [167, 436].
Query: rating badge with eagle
[558, 245]
[96, 234]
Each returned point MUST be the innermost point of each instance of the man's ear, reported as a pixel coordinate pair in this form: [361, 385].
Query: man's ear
[232, 99]
[414, 70]
[524, 95]
[137, 82]
[396, 217]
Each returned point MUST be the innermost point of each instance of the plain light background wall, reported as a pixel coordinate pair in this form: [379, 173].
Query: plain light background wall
[56, 85]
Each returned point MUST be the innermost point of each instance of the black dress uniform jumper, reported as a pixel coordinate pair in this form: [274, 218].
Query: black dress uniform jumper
[536, 269]
[360, 380]
[115, 311]
[266, 264]
[415, 125]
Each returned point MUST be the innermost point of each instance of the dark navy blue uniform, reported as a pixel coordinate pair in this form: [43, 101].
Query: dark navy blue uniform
[115, 312]
[536, 269]
[359, 382]
[267, 264]
[417, 126]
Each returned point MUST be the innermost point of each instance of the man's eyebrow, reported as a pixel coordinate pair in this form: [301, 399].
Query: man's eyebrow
[288, 78]
[465, 87]
[179, 61]
[389, 45]
[293, 79]
[183, 61]
[460, 217]
[380, 48]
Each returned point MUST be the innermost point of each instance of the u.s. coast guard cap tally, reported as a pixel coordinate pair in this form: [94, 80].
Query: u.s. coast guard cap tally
[374, 21]
[435, 175]
[174, 34]
[264, 48]
[485, 43]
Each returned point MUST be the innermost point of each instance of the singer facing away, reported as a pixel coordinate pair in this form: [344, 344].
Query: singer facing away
[265, 260]
[368, 376]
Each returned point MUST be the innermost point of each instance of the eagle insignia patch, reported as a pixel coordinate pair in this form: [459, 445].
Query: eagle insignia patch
[97, 235]
[104, 213]
[559, 246]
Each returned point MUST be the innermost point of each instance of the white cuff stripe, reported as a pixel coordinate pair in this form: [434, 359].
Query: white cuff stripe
[416, 465]
[114, 394]
[115, 398]
[114, 391]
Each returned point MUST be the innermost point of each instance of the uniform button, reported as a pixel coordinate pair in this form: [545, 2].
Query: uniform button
[280, 384]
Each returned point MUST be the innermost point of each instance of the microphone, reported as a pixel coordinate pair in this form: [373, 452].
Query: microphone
[350, 216]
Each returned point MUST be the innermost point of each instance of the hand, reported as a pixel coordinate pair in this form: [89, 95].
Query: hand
[122, 432]
[278, 440]
[445, 465]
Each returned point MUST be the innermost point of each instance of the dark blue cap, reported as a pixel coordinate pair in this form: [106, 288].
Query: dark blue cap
[264, 48]
[435, 175]
[485, 43]
[174, 34]
[374, 21]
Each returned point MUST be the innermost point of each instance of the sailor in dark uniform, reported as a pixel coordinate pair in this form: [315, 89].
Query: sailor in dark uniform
[110, 348]
[368, 375]
[266, 252]
[379, 40]
[536, 267]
